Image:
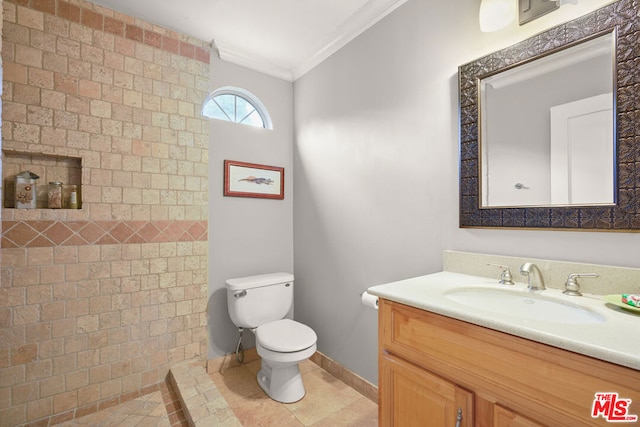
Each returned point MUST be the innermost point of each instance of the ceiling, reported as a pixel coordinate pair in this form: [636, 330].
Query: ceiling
[282, 38]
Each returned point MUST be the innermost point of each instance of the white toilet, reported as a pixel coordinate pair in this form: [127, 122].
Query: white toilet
[260, 303]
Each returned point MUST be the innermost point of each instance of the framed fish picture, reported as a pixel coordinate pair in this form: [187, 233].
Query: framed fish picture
[252, 180]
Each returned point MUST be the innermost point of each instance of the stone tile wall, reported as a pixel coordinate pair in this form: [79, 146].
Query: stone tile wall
[97, 303]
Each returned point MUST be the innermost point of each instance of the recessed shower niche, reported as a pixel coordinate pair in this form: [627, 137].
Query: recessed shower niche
[49, 168]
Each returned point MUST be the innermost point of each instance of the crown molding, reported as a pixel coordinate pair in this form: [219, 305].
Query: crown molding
[361, 20]
[235, 56]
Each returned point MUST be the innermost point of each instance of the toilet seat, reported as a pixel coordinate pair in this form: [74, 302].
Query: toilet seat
[285, 336]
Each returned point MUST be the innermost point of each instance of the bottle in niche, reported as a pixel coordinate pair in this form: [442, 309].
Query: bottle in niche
[73, 197]
[25, 190]
[55, 195]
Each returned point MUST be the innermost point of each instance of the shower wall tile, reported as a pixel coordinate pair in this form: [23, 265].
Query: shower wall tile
[97, 303]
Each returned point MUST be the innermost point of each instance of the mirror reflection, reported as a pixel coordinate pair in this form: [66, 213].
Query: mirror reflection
[547, 133]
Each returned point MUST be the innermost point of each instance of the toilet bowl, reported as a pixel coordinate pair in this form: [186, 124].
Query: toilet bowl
[282, 345]
[261, 303]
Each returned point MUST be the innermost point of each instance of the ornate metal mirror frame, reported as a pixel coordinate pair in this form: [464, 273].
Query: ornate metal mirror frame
[625, 214]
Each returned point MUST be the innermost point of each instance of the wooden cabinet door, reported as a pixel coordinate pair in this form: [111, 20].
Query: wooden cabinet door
[503, 417]
[411, 396]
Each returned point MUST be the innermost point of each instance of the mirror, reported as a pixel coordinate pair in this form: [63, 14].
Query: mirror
[546, 129]
[574, 204]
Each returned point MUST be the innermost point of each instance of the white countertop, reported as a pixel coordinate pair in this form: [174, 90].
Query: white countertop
[614, 340]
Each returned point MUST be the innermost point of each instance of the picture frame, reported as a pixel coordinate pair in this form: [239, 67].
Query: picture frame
[242, 179]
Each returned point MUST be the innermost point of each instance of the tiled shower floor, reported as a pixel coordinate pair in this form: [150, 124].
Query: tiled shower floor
[158, 409]
[328, 402]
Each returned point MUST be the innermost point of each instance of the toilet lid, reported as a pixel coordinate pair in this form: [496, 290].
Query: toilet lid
[285, 336]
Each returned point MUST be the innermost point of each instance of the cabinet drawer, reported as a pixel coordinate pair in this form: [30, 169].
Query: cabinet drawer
[503, 417]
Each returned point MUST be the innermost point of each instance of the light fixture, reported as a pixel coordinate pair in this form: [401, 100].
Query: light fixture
[496, 14]
[528, 10]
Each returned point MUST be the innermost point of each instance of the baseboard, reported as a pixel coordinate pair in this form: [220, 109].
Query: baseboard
[353, 380]
[229, 360]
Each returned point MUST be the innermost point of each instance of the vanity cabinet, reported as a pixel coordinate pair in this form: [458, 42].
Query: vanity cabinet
[432, 366]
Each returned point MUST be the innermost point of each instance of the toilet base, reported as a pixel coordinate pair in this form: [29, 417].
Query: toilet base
[282, 383]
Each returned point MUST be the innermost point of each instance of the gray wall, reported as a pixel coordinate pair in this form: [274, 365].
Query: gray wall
[376, 171]
[247, 236]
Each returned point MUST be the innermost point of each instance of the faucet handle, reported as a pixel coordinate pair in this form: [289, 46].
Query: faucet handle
[571, 287]
[505, 278]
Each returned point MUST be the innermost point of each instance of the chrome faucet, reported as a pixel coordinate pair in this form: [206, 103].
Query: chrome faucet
[535, 280]
[505, 277]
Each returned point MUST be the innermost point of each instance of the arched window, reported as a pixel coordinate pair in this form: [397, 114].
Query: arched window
[236, 105]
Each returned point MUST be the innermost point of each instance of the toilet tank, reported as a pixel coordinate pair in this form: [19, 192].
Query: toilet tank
[256, 300]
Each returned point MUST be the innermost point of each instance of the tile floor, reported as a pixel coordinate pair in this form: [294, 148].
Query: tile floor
[328, 402]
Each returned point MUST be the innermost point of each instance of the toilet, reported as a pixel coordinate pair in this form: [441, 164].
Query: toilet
[261, 304]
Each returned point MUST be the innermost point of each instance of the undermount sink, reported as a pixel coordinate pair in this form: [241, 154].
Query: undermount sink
[524, 305]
